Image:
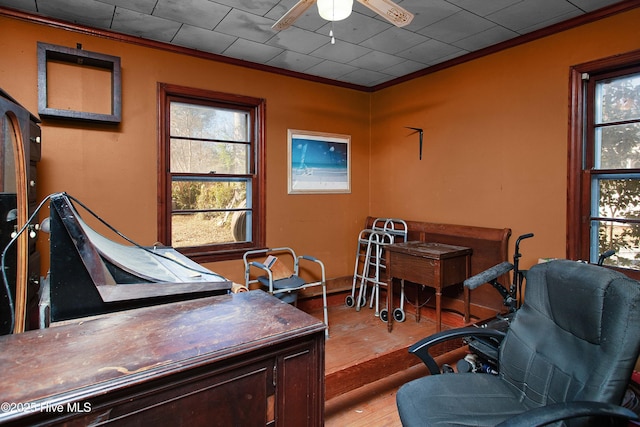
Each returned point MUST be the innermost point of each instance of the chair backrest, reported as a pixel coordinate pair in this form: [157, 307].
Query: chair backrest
[576, 337]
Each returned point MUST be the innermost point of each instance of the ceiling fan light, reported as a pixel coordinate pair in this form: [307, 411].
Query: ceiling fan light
[334, 10]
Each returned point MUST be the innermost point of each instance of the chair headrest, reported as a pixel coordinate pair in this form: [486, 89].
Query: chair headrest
[577, 294]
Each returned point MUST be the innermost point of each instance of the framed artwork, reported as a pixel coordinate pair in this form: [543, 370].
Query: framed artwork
[318, 162]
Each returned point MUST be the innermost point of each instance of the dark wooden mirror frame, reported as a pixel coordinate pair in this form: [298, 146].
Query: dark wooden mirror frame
[49, 52]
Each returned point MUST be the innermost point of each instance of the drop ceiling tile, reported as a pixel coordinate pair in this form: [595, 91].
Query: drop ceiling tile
[294, 61]
[430, 52]
[246, 26]
[142, 6]
[365, 77]
[330, 69]
[204, 40]
[93, 14]
[483, 8]
[255, 7]
[199, 13]
[448, 57]
[341, 51]
[141, 25]
[485, 38]
[28, 5]
[591, 5]
[550, 21]
[298, 40]
[529, 13]
[248, 50]
[456, 27]
[394, 40]
[404, 68]
[428, 12]
[376, 61]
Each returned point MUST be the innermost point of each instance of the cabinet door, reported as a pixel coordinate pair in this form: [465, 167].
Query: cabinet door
[238, 396]
[300, 386]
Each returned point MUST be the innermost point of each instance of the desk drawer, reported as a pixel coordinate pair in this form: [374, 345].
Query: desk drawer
[426, 271]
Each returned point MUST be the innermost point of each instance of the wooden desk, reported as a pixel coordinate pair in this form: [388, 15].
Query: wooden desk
[241, 359]
[431, 264]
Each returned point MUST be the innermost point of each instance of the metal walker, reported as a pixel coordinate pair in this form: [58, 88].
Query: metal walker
[370, 264]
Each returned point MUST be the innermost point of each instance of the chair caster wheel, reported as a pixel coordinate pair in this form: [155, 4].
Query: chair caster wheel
[349, 301]
[384, 315]
[398, 315]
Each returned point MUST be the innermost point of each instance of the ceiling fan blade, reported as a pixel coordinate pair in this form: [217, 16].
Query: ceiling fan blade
[395, 14]
[292, 14]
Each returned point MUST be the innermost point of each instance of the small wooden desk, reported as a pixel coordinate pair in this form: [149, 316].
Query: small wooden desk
[431, 264]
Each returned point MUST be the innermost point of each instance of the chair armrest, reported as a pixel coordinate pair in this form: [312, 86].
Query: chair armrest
[258, 265]
[561, 411]
[421, 348]
[315, 260]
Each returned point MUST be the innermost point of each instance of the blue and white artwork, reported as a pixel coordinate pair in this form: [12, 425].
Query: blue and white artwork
[319, 163]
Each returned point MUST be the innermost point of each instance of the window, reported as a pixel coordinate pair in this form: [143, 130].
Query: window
[604, 162]
[211, 172]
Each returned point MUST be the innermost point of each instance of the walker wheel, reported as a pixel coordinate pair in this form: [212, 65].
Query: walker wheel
[349, 301]
[384, 315]
[398, 315]
[363, 302]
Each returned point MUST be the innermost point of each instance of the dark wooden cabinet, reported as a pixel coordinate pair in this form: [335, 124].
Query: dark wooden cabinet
[235, 360]
[20, 148]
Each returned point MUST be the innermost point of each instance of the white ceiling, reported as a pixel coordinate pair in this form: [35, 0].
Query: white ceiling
[369, 51]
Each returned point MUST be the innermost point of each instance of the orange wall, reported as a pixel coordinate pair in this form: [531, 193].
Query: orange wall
[494, 154]
[113, 169]
[495, 138]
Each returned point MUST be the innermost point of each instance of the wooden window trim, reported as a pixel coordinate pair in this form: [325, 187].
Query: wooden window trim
[226, 251]
[578, 194]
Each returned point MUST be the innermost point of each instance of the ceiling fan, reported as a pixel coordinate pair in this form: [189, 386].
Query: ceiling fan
[336, 10]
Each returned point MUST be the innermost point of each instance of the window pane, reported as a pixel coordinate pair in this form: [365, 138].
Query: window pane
[189, 156]
[617, 198]
[618, 147]
[623, 238]
[198, 229]
[191, 194]
[197, 121]
[618, 99]
[224, 216]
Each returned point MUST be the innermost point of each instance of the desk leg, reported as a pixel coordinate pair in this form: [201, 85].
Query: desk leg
[467, 294]
[438, 310]
[467, 314]
[419, 287]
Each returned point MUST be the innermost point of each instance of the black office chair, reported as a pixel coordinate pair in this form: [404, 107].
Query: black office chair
[568, 353]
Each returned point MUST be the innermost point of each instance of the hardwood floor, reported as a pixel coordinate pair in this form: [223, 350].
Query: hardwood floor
[365, 364]
[373, 405]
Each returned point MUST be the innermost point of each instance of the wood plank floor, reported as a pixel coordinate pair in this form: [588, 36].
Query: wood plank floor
[365, 364]
[373, 405]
